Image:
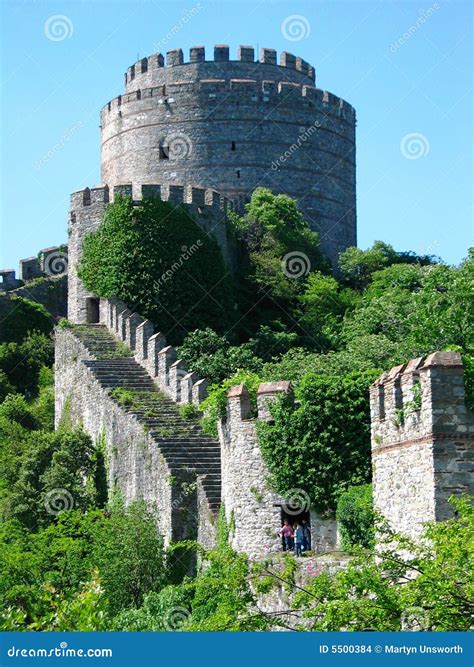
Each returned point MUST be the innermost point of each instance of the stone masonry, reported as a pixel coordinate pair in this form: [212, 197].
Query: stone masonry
[252, 509]
[422, 441]
[233, 125]
[205, 206]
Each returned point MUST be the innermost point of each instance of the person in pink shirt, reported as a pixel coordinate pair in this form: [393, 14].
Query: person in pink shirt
[287, 533]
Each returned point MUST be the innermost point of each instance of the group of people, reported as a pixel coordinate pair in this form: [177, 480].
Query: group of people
[296, 538]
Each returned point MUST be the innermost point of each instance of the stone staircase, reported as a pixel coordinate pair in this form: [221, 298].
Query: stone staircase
[182, 442]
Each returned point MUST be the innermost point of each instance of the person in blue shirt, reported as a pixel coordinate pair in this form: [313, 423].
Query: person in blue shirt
[299, 538]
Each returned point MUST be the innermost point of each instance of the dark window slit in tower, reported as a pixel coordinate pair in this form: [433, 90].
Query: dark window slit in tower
[233, 146]
[238, 173]
[164, 152]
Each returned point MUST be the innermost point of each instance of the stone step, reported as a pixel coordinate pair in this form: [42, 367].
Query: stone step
[183, 444]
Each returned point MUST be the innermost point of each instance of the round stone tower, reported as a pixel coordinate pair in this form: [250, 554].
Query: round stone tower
[233, 125]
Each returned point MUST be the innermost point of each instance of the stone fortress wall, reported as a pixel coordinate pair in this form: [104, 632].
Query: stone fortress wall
[422, 441]
[206, 206]
[49, 262]
[233, 125]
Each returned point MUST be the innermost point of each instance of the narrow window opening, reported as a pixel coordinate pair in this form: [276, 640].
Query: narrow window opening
[163, 151]
[238, 173]
[233, 146]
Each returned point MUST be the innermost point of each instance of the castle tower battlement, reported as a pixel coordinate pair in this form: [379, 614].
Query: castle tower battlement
[146, 72]
[422, 441]
[205, 206]
[234, 125]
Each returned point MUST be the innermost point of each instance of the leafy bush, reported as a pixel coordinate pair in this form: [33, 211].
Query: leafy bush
[355, 517]
[214, 407]
[321, 444]
[23, 317]
[157, 259]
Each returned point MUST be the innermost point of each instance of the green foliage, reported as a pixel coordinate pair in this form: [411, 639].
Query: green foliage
[270, 237]
[355, 517]
[403, 586]
[214, 406]
[322, 444]
[157, 258]
[213, 357]
[189, 411]
[22, 362]
[118, 554]
[23, 317]
[358, 266]
[129, 556]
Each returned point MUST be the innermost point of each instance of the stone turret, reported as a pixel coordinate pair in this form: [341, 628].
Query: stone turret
[235, 124]
[422, 441]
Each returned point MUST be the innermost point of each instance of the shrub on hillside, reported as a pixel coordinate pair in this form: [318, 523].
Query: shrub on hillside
[355, 517]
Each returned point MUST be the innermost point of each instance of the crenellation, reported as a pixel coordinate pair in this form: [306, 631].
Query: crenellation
[221, 53]
[155, 344]
[122, 190]
[268, 56]
[287, 60]
[268, 392]
[187, 383]
[132, 322]
[302, 66]
[199, 391]
[177, 371]
[422, 441]
[174, 57]
[197, 54]
[246, 54]
[166, 358]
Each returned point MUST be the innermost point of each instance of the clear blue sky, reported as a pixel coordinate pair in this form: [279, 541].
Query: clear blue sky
[52, 90]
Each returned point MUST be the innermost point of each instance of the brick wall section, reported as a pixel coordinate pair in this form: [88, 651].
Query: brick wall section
[421, 456]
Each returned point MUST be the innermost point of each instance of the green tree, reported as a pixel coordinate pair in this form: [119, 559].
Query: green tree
[22, 317]
[130, 556]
